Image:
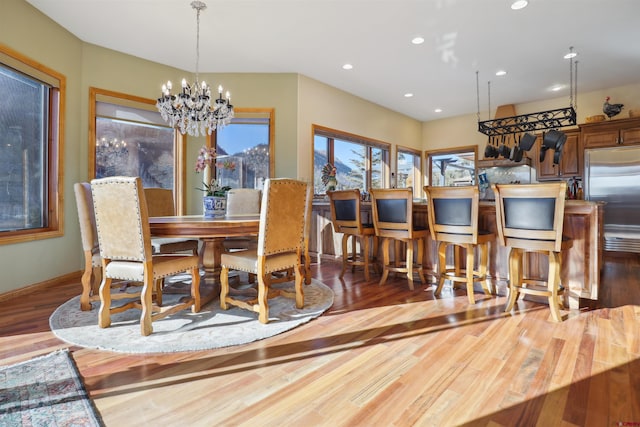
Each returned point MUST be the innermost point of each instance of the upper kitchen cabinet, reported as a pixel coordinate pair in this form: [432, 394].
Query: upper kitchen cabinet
[611, 133]
[570, 164]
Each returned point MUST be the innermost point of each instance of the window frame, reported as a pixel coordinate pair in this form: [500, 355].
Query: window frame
[179, 140]
[368, 143]
[418, 191]
[53, 211]
[455, 150]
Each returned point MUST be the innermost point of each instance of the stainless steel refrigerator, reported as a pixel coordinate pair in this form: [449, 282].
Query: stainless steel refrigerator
[612, 175]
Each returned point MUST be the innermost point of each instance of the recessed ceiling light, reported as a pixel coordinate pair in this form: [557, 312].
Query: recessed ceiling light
[570, 55]
[557, 88]
[501, 73]
[519, 4]
[347, 67]
[438, 110]
[408, 95]
[417, 40]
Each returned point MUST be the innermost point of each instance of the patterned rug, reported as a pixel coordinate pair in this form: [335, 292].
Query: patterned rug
[45, 391]
[211, 328]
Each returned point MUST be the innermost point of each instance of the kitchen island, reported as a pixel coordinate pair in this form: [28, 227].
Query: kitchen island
[580, 265]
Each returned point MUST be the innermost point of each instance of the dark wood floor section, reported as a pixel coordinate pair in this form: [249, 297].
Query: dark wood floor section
[381, 356]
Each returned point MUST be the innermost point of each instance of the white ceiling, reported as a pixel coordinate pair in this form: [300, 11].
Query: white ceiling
[316, 37]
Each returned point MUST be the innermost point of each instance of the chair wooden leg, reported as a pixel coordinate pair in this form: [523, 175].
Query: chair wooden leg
[515, 276]
[345, 254]
[146, 328]
[442, 266]
[482, 269]
[385, 261]
[365, 257]
[85, 302]
[158, 285]
[104, 314]
[224, 287]
[299, 289]
[419, 259]
[409, 263]
[354, 253]
[195, 289]
[469, 274]
[553, 285]
[374, 254]
[307, 264]
[263, 294]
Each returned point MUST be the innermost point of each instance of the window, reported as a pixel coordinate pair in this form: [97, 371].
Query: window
[244, 149]
[452, 167]
[31, 114]
[131, 139]
[360, 162]
[409, 170]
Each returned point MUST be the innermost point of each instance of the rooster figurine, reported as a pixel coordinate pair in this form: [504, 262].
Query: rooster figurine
[611, 109]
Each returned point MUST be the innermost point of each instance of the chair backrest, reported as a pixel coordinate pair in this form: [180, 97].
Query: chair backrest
[86, 216]
[160, 201]
[345, 211]
[530, 216]
[282, 216]
[393, 212]
[453, 213]
[122, 219]
[243, 202]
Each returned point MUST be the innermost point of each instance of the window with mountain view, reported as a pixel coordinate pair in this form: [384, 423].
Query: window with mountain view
[244, 149]
[452, 167]
[360, 162]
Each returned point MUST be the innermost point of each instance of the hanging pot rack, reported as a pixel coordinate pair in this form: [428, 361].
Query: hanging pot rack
[543, 120]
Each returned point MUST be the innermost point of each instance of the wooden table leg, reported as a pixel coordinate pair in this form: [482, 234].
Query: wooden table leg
[212, 249]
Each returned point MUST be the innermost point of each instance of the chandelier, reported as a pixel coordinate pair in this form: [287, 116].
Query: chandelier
[191, 111]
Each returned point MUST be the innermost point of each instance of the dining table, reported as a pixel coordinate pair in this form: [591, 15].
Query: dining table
[212, 232]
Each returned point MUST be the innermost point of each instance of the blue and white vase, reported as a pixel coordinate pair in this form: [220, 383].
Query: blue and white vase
[214, 206]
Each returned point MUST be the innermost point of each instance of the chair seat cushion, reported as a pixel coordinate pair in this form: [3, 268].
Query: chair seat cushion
[163, 266]
[248, 261]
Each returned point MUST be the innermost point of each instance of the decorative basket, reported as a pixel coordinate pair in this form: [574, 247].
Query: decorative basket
[594, 119]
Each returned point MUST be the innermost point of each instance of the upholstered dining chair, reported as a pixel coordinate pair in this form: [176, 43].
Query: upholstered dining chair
[122, 222]
[346, 219]
[530, 218]
[280, 246]
[453, 221]
[242, 202]
[92, 273]
[393, 220]
[160, 203]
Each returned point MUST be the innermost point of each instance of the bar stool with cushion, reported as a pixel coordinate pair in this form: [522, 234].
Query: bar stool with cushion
[346, 219]
[453, 220]
[160, 203]
[280, 246]
[393, 220]
[530, 219]
[122, 222]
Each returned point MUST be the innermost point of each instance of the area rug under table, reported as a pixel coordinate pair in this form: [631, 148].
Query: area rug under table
[45, 391]
[210, 328]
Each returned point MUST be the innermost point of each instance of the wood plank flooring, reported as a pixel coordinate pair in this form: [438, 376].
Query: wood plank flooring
[381, 356]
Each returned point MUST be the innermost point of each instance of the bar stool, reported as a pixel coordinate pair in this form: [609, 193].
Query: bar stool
[393, 220]
[530, 219]
[346, 219]
[453, 220]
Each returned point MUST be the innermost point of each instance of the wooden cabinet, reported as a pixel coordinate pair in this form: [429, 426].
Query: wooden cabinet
[611, 133]
[570, 161]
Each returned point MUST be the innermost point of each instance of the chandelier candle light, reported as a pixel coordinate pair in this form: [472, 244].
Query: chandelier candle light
[191, 111]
